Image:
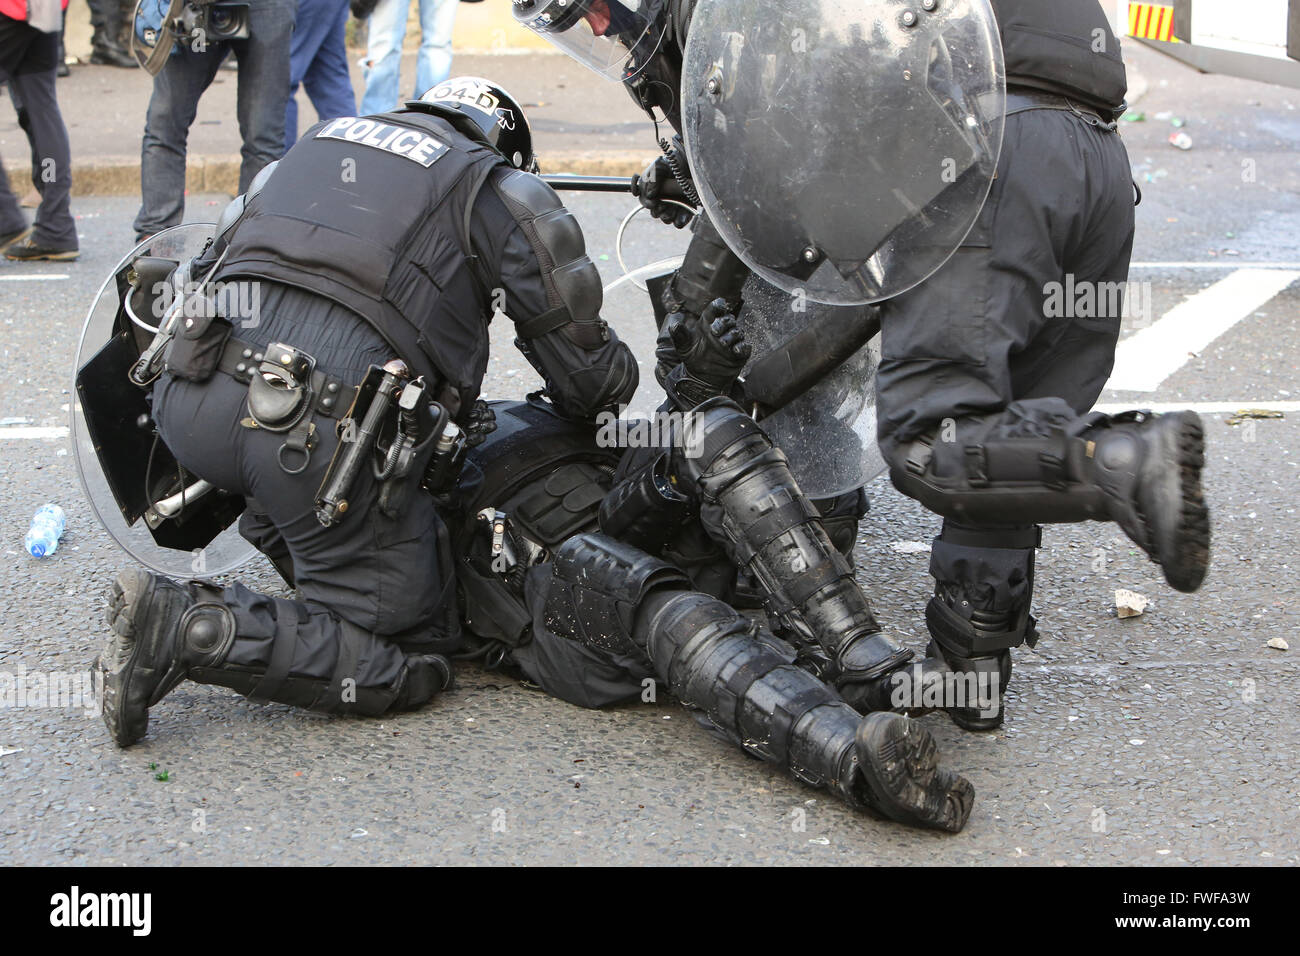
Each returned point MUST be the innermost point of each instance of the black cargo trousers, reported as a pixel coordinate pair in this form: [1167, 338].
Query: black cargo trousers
[979, 350]
[371, 589]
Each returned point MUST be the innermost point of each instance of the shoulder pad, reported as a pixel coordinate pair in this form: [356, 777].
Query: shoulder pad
[526, 194]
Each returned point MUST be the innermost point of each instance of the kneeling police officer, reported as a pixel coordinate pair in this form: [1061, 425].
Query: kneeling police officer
[379, 248]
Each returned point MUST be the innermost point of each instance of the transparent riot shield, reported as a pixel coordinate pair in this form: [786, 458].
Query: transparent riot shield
[843, 148]
[829, 432]
[166, 520]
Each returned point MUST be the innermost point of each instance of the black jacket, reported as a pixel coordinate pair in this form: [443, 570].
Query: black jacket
[1062, 46]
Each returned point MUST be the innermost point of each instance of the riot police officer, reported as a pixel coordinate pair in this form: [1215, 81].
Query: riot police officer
[982, 398]
[376, 252]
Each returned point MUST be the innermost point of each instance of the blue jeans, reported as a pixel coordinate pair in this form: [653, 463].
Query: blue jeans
[383, 63]
[260, 104]
[319, 61]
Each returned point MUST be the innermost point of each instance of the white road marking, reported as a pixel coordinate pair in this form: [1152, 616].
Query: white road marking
[911, 547]
[1201, 408]
[1145, 359]
[1226, 264]
[47, 277]
[60, 431]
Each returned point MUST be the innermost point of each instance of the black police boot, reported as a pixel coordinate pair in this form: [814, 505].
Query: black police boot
[105, 43]
[158, 634]
[110, 54]
[1149, 468]
[984, 586]
[899, 764]
[982, 681]
[1140, 470]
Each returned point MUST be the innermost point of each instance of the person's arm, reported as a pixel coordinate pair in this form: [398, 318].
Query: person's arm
[552, 292]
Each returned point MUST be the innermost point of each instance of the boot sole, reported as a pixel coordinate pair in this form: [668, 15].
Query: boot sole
[901, 769]
[117, 660]
[1185, 551]
[68, 256]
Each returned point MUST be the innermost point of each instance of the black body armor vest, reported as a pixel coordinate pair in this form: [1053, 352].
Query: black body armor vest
[373, 213]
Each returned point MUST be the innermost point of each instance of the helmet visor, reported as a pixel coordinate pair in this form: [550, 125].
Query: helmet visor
[615, 38]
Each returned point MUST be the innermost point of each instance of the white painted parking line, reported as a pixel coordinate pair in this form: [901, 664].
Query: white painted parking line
[1201, 408]
[1144, 360]
[29, 432]
[47, 277]
[1226, 264]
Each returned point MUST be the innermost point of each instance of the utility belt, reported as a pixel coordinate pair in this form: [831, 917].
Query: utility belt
[386, 423]
[1021, 99]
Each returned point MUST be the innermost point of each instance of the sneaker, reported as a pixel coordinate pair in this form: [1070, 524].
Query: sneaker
[29, 251]
[9, 238]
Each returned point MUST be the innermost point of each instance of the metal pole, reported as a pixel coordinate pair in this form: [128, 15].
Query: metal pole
[589, 184]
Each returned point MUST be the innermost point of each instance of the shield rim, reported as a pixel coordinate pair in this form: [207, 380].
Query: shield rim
[792, 285]
[75, 432]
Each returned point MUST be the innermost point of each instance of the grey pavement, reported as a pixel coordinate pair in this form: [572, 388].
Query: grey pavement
[1165, 739]
[581, 125]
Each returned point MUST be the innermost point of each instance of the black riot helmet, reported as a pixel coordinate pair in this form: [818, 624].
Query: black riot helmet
[484, 112]
[616, 38]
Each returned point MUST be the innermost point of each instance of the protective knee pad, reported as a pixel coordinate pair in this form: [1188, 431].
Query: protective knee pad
[598, 586]
[751, 503]
[207, 632]
[743, 679]
[984, 583]
[1004, 480]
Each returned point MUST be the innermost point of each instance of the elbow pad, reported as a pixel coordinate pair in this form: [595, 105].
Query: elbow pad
[573, 287]
[581, 383]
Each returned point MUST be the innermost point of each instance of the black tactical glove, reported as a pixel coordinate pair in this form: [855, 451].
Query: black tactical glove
[658, 184]
[479, 422]
[712, 351]
[361, 9]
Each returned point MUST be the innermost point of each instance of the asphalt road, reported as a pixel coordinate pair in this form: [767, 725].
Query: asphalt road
[1164, 739]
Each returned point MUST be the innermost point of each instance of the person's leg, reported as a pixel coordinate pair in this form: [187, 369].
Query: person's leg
[984, 381]
[53, 227]
[373, 613]
[32, 82]
[749, 504]
[327, 81]
[635, 618]
[311, 24]
[172, 108]
[433, 65]
[13, 41]
[13, 224]
[382, 67]
[263, 93]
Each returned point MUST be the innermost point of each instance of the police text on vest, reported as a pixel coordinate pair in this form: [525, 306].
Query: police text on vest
[399, 140]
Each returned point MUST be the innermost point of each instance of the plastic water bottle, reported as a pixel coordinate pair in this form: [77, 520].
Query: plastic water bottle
[46, 530]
